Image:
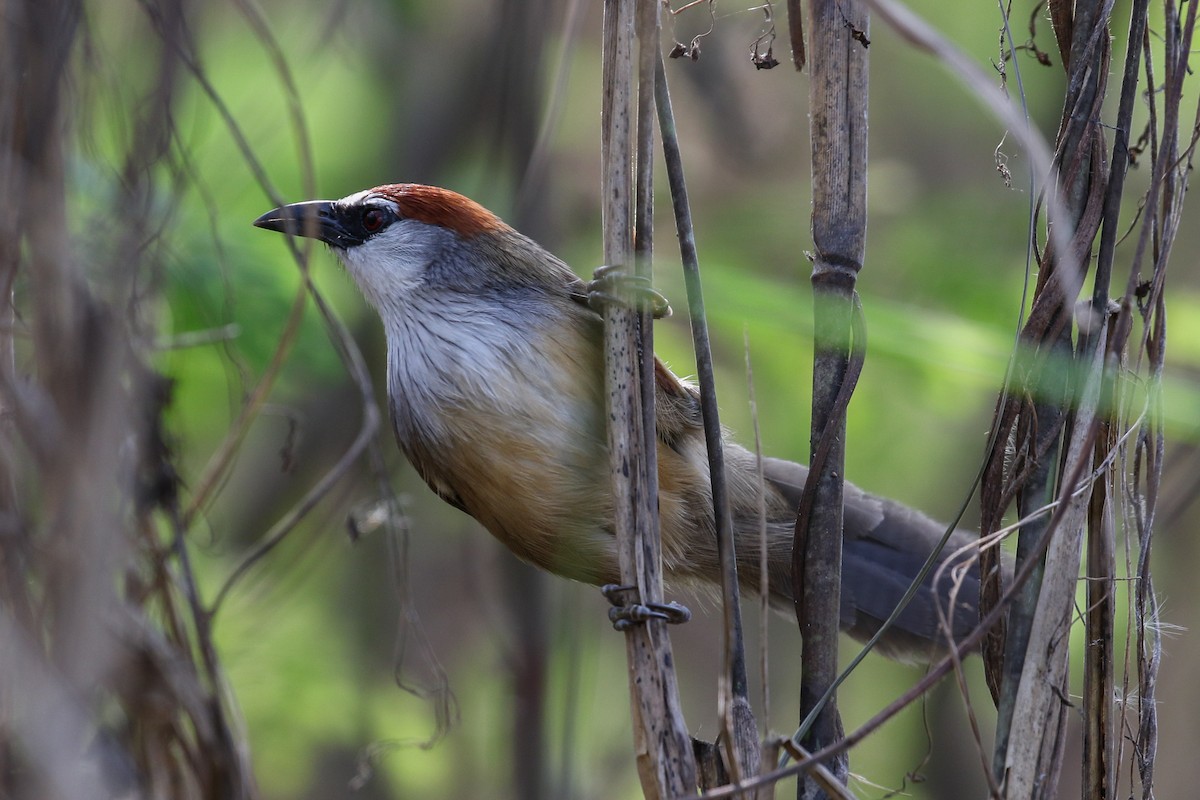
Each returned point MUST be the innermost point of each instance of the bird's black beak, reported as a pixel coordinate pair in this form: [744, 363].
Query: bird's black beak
[316, 219]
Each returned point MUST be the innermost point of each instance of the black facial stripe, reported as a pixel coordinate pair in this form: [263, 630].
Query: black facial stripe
[352, 227]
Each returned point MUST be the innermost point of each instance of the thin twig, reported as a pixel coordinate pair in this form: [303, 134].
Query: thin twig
[764, 580]
[352, 357]
[740, 733]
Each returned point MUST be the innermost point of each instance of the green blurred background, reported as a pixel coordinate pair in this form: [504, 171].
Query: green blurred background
[467, 95]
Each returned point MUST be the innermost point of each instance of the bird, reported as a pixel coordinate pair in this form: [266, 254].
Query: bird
[496, 397]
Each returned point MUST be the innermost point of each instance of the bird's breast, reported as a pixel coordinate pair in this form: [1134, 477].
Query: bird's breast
[503, 416]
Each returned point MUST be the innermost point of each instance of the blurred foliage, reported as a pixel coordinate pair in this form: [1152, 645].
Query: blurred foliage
[308, 637]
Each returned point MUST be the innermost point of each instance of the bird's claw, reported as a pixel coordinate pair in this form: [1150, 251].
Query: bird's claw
[612, 285]
[624, 615]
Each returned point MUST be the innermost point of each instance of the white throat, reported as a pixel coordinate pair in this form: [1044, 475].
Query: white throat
[390, 267]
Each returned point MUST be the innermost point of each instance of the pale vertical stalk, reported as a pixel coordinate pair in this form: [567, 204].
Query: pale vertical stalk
[1033, 756]
[665, 762]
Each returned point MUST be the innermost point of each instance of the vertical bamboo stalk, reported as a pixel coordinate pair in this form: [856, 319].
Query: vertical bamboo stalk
[666, 765]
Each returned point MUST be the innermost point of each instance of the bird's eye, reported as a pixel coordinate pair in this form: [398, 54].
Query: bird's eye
[373, 220]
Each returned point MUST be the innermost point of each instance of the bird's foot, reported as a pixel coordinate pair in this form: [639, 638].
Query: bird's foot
[613, 285]
[625, 614]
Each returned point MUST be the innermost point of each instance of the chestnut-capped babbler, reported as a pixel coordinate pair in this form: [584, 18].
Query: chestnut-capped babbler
[495, 386]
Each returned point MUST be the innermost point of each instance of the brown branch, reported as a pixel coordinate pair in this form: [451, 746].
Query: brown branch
[1100, 748]
[838, 107]
[795, 20]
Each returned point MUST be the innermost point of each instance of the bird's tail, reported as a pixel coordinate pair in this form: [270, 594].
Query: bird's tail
[885, 545]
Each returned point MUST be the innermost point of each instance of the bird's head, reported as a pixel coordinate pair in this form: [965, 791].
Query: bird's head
[401, 238]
